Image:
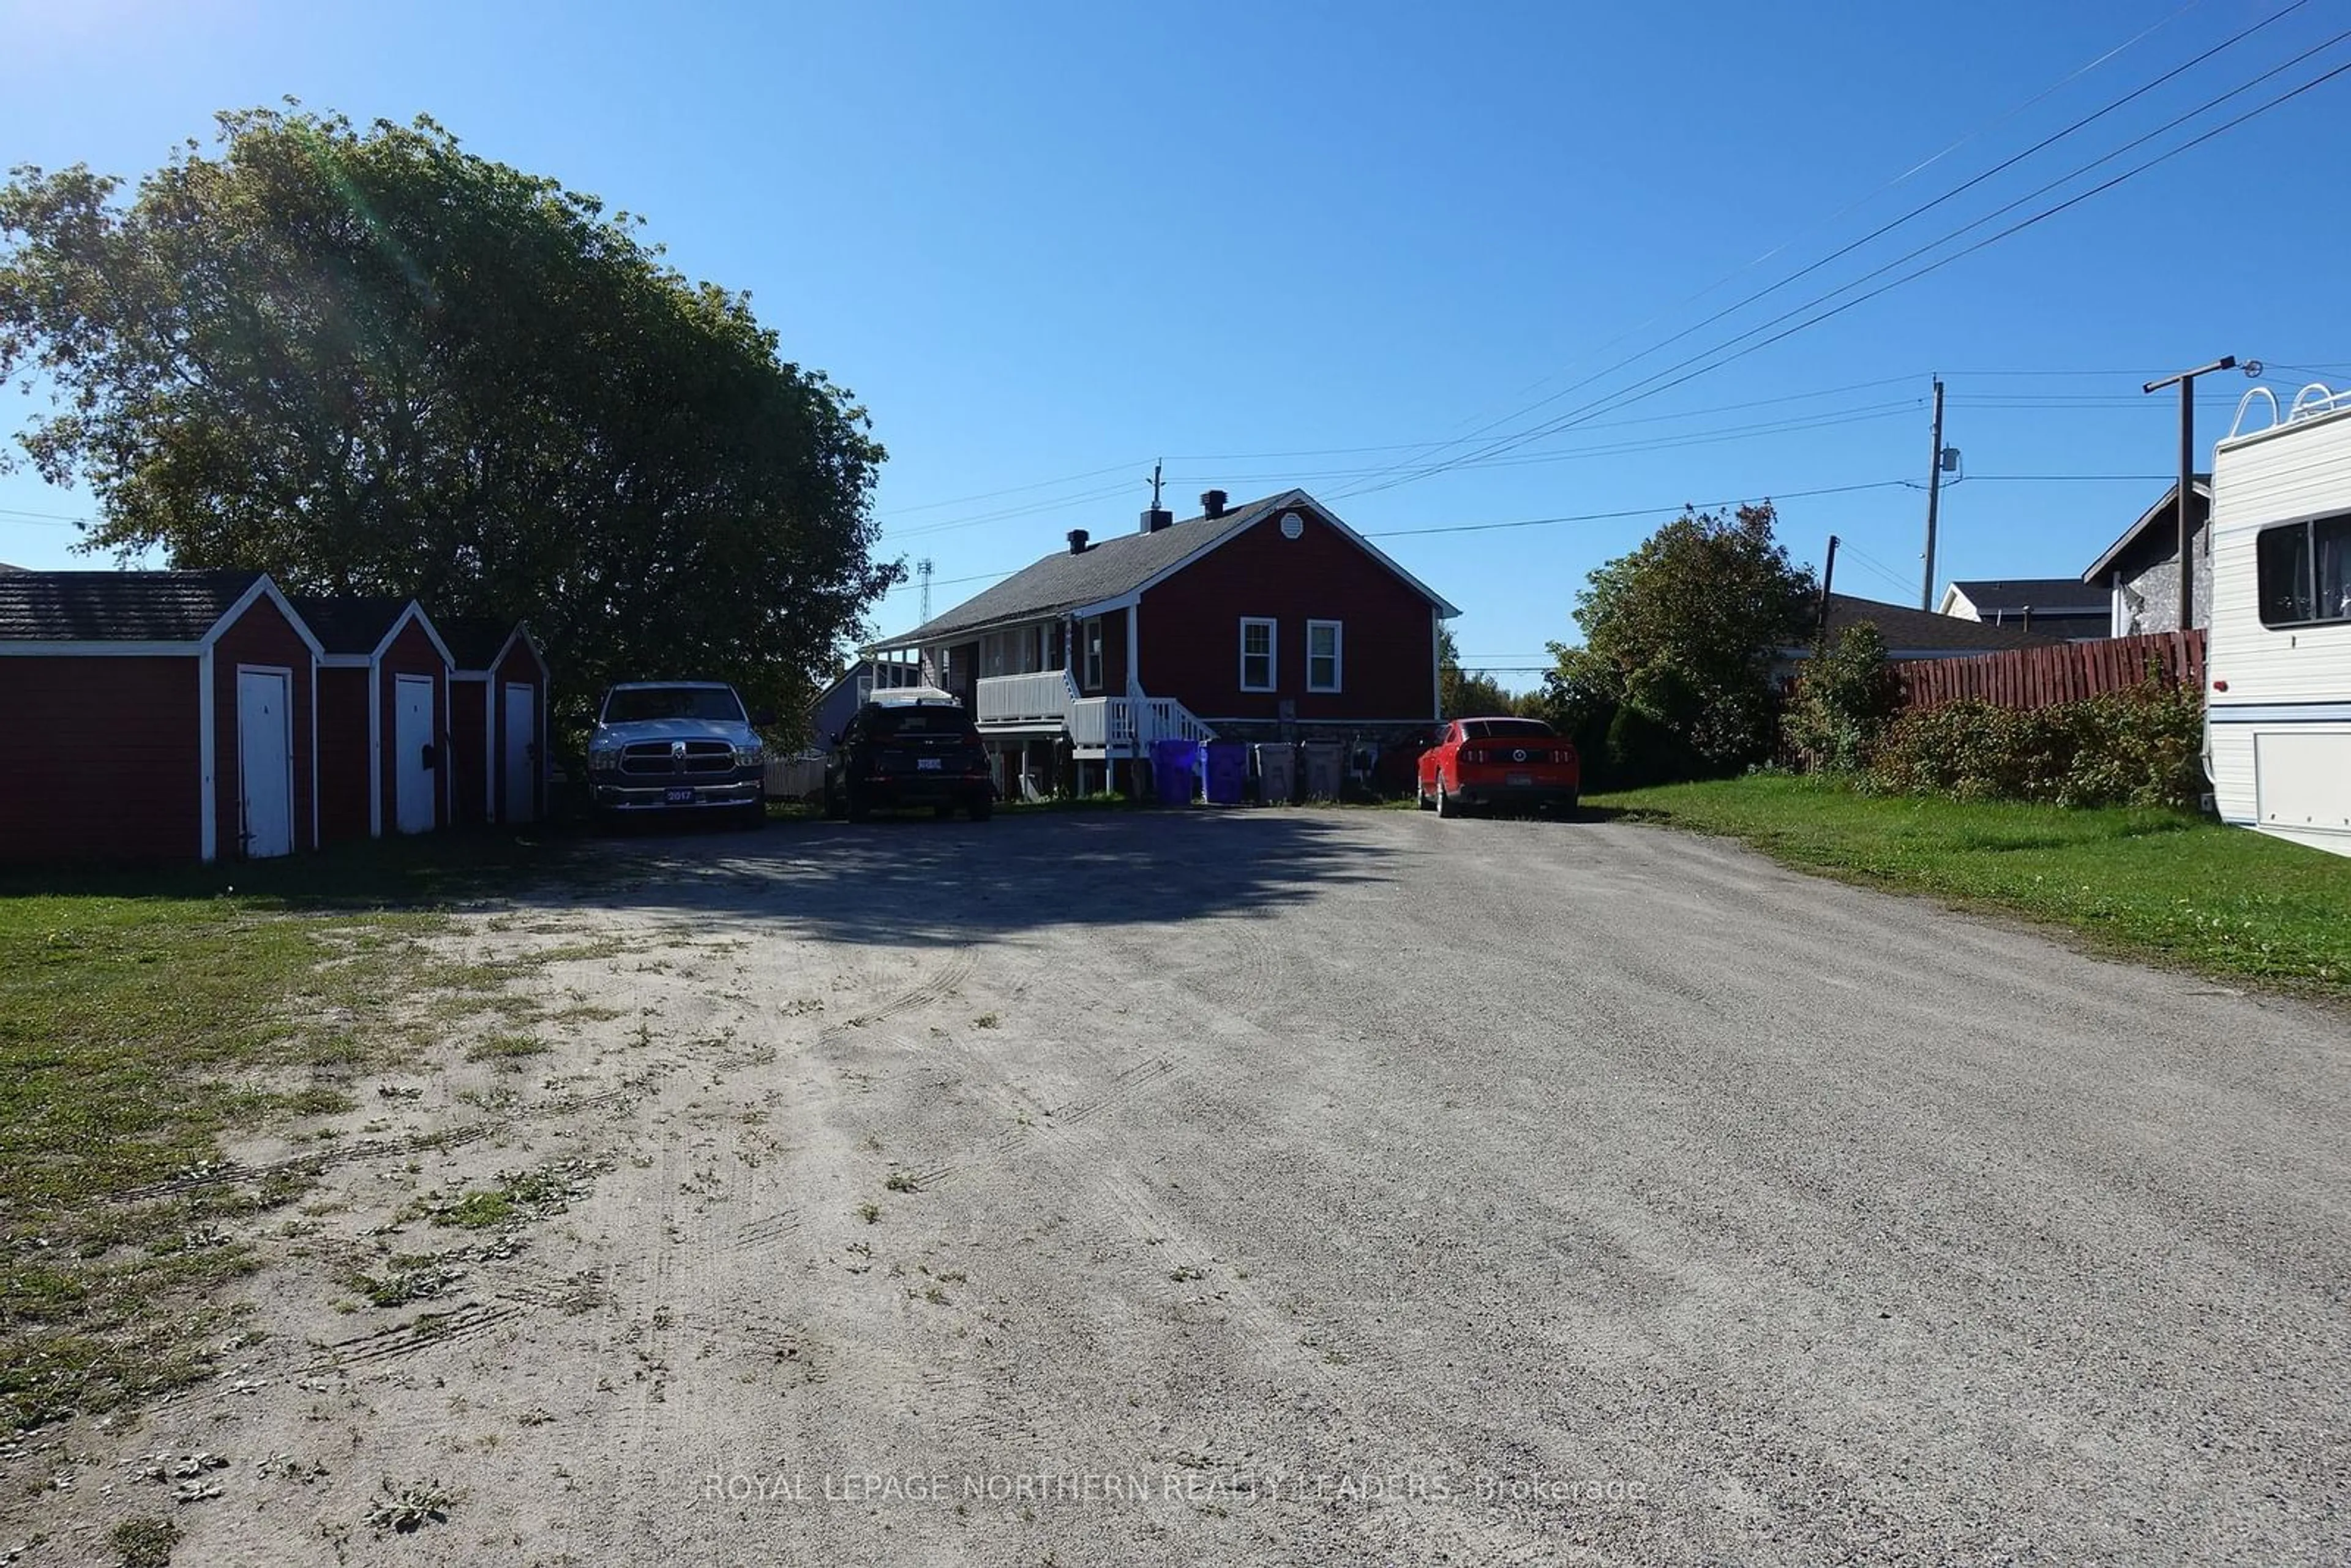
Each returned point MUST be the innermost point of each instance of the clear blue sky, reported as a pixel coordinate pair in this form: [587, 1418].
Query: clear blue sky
[1054, 242]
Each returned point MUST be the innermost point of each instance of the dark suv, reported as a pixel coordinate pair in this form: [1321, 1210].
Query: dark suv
[922, 753]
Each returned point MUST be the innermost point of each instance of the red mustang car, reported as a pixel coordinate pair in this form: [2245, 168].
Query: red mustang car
[1487, 762]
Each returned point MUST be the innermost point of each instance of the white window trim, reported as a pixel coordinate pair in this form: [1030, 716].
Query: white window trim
[1089, 647]
[1338, 655]
[1272, 653]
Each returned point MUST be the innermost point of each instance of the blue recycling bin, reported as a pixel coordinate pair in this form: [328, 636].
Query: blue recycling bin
[1228, 772]
[1172, 765]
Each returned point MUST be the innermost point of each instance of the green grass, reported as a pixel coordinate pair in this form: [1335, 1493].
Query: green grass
[507, 1048]
[2145, 883]
[145, 1016]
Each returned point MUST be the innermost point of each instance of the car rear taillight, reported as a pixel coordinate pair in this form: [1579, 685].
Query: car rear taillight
[1473, 755]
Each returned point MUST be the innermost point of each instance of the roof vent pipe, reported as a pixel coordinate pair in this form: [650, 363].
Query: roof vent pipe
[1212, 504]
[1078, 538]
[1155, 519]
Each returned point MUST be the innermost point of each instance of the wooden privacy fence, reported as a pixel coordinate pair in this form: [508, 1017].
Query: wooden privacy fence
[2040, 677]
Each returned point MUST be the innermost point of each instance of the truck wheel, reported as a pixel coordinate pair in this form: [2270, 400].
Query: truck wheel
[854, 806]
[982, 808]
[833, 808]
[754, 816]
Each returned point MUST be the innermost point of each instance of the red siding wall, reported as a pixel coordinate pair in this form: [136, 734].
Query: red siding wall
[519, 668]
[261, 636]
[413, 654]
[104, 759]
[343, 754]
[469, 760]
[1191, 629]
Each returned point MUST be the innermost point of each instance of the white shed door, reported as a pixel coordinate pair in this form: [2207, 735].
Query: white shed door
[411, 740]
[265, 756]
[522, 753]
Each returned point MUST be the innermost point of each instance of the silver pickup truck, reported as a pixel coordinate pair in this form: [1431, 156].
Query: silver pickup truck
[675, 745]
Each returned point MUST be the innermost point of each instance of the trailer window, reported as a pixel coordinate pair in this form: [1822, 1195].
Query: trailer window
[2304, 572]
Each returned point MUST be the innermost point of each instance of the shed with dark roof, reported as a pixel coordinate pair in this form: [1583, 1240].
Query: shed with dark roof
[155, 715]
[383, 717]
[498, 682]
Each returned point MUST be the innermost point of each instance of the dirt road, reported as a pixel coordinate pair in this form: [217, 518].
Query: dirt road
[1308, 1188]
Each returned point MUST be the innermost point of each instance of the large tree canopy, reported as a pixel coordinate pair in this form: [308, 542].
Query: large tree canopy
[366, 360]
[1680, 636]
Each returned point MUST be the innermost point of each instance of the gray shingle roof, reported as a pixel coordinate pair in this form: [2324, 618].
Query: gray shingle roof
[1906, 629]
[472, 640]
[116, 606]
[2014, 595]
[353, 626]
[1110, 567]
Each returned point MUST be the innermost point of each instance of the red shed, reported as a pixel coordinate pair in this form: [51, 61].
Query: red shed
[155, 715]
[383, 717]
[497, 733]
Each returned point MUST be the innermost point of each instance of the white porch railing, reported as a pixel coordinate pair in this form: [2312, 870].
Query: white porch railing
[1045, 698]
[1131, 725]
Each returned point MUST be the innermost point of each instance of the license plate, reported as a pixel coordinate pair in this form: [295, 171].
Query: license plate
[929, 764]
[1519, 781]
[684, 796]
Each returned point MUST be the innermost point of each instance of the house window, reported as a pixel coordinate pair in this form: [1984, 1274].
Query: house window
[2304, 571]
[1257, 654]
[1323, 655]
[1093, 645]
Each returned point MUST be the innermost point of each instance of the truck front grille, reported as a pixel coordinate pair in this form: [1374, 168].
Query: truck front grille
[674, 757]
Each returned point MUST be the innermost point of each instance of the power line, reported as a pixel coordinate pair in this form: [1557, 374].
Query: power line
[1008, 490]
[2063, 83]
[1631, 393]
[1631, 511]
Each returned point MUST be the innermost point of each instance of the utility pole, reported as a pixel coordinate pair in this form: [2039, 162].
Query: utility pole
[1828, 580]
[1155, 487]
[1934, 500]
[2186, 381]
[923, 570]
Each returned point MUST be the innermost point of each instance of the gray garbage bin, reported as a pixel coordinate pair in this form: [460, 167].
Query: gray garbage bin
[1277, 772]
[1325, 763]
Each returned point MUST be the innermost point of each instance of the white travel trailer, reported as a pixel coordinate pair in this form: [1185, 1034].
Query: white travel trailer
[2277, 730]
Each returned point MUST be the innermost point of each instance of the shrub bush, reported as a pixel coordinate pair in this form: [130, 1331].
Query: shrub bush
[2142, 747]
[1845, 697]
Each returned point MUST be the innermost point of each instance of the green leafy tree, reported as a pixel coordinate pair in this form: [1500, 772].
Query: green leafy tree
[368, 361]
[1681, 634]
[1462, 693]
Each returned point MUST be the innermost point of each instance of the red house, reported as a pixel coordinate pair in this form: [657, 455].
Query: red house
[383, 717]
[154, 716]
[1273, 621]
[497, 713]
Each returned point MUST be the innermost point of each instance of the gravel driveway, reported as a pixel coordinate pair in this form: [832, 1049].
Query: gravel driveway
[1348, 1186]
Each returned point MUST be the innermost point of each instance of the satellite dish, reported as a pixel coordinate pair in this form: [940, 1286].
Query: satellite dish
[1292, 525]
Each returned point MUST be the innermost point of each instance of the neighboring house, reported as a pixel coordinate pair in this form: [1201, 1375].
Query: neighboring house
[850, 690]
[2053, 606]
[498, 720]
[155, 715]
[1914, 633]
[2140, 572]
[1271, 620]
[5, 567]
[383, 717]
